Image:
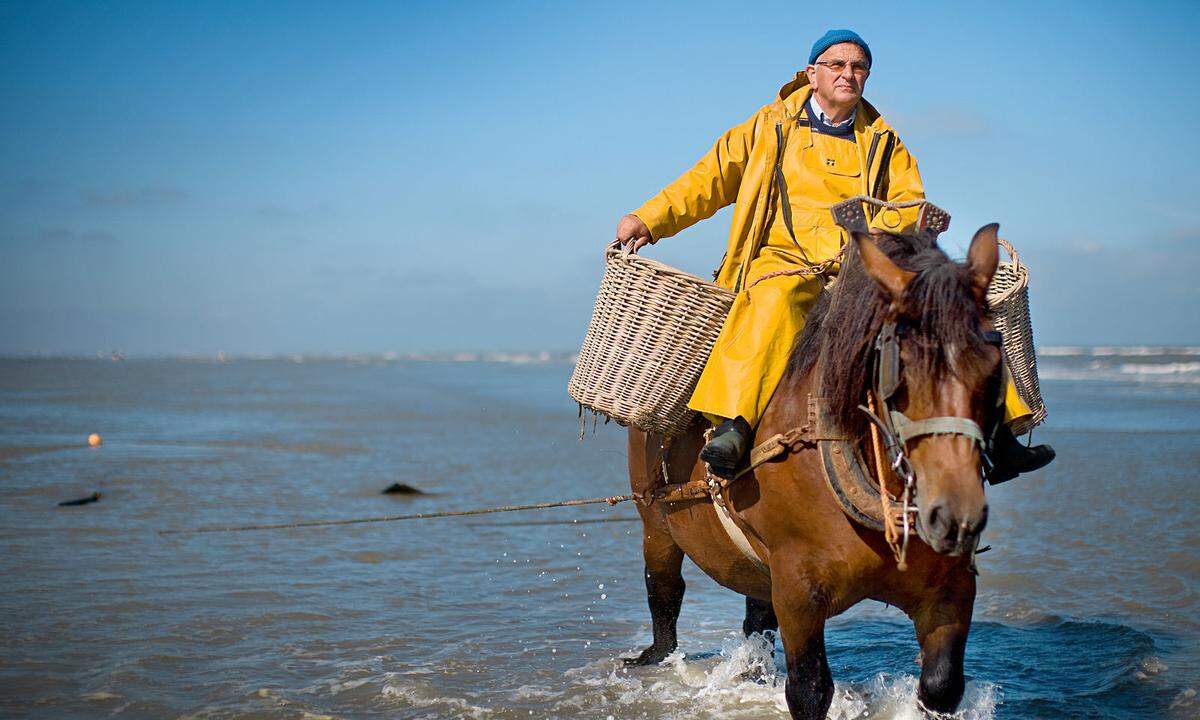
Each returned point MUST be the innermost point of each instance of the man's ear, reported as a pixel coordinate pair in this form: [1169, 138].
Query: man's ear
[890, 276]
[982, 259]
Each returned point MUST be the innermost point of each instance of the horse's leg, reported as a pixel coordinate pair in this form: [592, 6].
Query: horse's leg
[664, 591]
[942, 625]
[760, 617]
[809, 687]
[664, 558]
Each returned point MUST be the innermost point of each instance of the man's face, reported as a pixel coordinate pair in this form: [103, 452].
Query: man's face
[839, 75]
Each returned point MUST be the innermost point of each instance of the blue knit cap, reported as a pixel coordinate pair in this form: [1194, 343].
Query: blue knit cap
[833, 37]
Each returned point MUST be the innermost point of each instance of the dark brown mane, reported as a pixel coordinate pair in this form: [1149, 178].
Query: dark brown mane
[939, 316]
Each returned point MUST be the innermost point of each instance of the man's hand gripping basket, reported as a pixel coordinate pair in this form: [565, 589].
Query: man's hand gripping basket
[651, 333]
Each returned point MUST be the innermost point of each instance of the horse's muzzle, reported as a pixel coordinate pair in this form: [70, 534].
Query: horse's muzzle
[951, 530]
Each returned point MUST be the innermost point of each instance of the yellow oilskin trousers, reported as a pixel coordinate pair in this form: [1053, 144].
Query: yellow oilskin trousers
[753, 348]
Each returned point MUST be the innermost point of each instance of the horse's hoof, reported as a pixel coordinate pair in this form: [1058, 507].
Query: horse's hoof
[649, 656]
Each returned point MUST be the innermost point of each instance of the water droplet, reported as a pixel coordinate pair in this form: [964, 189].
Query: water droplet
[603, 596]
[600, 586]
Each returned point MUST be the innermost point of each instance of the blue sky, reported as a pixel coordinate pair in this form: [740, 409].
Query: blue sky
[318, 177]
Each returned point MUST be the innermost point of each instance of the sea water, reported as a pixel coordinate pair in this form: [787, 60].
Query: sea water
[1087, 604]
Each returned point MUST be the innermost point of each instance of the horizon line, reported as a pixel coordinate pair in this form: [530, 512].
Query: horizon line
[511, 356]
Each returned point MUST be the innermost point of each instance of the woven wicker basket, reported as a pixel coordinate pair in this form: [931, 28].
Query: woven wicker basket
[1008, 299]
[652, 330]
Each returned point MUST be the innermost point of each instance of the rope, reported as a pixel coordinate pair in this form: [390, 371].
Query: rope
[613, 500]
[885, 204]
[811, 270]
[822, 267]
[890, 532]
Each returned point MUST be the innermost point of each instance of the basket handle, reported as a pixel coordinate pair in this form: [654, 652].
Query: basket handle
[1012, 253]
[616, 246]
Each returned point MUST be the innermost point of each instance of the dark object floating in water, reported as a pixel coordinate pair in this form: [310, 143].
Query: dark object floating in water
[402, 489]
[81, 501]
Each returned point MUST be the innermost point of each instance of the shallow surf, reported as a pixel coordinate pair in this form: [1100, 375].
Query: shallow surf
[1087, 602]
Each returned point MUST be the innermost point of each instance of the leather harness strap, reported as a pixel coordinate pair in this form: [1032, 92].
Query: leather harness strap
[948, 425]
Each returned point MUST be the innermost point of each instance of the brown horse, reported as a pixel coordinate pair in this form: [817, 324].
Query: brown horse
[818, 561]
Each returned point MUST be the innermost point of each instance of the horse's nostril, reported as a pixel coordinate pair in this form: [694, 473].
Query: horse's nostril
[937, 522]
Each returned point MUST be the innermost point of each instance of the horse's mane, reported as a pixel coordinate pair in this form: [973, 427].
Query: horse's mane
[939, 316]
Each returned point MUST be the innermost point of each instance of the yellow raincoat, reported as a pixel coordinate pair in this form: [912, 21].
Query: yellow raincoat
[755, 343]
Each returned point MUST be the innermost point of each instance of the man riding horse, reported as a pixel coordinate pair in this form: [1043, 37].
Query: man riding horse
[784, 246]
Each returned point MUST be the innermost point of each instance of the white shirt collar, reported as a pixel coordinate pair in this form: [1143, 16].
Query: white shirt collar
[815, 107]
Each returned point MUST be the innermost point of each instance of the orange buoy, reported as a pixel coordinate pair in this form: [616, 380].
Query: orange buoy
[94, 439]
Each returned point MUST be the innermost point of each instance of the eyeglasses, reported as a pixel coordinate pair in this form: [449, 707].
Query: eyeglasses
[837, 66]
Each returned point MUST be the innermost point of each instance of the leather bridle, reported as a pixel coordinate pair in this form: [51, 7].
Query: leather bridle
[896, 428]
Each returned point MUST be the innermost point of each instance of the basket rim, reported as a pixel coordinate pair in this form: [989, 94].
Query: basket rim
[614, 252]
[1021, 284]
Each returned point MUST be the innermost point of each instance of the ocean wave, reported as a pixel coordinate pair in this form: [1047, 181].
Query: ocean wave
[1163, 368]
[1144, 350]
[1160, 369]
[1115, 375]
[1117, 350]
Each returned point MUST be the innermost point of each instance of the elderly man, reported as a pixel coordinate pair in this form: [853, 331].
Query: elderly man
[818, 144]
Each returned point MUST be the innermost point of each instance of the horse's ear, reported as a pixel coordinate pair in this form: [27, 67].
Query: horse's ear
[890, 276]
[983, 258]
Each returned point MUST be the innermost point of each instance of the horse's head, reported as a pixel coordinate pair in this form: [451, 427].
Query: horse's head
[948, 379]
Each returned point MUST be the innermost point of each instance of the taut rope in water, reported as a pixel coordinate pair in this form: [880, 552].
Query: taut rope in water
[612, 500]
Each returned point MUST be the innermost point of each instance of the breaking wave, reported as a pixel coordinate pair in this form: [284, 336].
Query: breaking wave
[1149, 365]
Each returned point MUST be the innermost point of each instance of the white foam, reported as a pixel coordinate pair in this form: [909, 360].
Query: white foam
[1127, 373]
[1143, 351]
[1160, 368]
[410, 694]
[744, 681]
[1116, 350]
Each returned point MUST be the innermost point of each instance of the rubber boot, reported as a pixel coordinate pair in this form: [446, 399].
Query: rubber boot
[725, 450]
[1010, 458]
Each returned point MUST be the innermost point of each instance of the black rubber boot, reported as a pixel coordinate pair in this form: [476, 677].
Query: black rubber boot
[728, 445]
[1010, 458]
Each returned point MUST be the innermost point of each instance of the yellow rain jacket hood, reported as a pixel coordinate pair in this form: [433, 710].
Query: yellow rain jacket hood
[740, 166]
